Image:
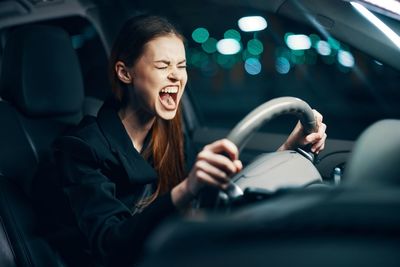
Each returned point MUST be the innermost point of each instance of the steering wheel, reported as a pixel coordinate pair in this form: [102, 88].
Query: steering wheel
[242, 132]
[272, 171]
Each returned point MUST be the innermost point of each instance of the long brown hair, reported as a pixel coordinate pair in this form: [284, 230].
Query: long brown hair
[166, 145]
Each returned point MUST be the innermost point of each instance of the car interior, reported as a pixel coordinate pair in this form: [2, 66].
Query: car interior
[53, 71]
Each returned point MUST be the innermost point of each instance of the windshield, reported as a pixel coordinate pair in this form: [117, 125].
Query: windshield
[232, 71]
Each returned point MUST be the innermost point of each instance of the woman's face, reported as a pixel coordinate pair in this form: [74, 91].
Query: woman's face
[159, 77]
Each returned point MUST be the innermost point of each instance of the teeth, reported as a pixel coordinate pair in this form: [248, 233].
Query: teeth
[170, 90]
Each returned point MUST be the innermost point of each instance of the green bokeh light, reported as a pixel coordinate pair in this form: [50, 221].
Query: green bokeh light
[232, 34]
[255, 47]
[210, 46]
[200, 35]
[314, 39]
[335, 44]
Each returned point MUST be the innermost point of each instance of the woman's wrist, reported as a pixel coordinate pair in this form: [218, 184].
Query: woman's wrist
[181, 195]
[285, 146]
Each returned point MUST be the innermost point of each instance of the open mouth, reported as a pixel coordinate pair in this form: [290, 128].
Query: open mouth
[169, 96]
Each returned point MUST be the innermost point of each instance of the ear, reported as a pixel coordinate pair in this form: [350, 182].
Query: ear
[122, 72]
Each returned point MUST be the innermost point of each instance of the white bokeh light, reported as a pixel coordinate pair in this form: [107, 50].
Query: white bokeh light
[228, 46]
[345, 58]
[252, 23]
[298, 42]
[324, 48]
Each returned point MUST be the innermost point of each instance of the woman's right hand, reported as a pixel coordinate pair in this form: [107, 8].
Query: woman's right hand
[214, 166]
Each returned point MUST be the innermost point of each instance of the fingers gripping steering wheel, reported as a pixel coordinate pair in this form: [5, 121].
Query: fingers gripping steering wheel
[275, 170]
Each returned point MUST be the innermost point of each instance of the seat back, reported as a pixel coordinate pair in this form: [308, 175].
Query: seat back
[42, 95]
[375, 161]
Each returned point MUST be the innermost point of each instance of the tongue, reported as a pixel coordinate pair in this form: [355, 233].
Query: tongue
[167, 100]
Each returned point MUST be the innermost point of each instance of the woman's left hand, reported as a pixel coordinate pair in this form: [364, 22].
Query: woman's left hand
[299, 139]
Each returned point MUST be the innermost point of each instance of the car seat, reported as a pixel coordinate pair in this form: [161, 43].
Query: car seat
[375, 161]
[42, 94]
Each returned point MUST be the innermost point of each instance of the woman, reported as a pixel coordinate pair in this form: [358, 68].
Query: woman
[124, 171]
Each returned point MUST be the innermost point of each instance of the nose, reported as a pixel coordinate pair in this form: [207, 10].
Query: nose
[175, 74]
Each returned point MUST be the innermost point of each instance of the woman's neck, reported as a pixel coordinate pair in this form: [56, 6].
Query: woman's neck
[137, 124]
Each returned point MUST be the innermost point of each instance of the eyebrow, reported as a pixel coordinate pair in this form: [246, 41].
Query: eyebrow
[168, 62]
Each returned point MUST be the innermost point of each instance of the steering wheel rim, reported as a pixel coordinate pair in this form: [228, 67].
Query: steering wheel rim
[242, 132]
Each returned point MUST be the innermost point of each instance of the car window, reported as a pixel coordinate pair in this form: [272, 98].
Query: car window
[348, 87]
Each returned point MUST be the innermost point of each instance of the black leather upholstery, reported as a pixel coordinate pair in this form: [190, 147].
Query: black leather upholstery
[53, 85]
[42, 92]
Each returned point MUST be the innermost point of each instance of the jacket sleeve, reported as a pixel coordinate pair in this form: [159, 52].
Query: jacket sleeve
[114, 234]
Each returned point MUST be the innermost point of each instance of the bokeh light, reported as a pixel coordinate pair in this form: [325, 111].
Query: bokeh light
[345, 58]
[314, 38]
[252, 66]
[228, 46]
[287, 35]
[200, 35]
[232, 34]
[335, 44]
[282, 65]
[252, 23]
[255, 47]
[210, 46]
[298, 41]
[323, 48]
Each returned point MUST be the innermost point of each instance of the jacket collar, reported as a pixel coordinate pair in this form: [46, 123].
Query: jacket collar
[120, 143]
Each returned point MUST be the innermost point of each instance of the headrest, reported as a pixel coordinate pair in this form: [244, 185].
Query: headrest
[41, 74]
[375, 161]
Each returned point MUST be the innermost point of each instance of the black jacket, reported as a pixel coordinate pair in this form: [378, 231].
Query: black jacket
[102, 178]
